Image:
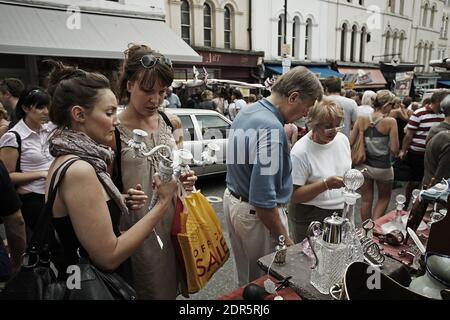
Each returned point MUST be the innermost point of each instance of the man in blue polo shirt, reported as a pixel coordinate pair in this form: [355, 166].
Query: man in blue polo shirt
[259, 182]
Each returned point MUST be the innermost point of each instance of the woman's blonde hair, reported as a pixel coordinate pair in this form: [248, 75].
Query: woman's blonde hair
[383, 97]
[324, 111]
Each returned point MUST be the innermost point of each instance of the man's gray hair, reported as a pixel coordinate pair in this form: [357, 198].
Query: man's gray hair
[301, 80]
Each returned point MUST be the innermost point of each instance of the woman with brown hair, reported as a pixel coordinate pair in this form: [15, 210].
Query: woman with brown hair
[88, 207]
[145, 77]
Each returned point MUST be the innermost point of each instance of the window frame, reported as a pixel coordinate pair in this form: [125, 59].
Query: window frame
[184, 26]
[228, 32]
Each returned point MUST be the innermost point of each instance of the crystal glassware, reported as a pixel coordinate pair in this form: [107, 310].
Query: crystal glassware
[353, 180]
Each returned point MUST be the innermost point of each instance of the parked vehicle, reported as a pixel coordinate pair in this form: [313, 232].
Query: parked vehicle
[201, 127]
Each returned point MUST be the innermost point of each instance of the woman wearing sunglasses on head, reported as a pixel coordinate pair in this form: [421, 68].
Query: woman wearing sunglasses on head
[145, 77]
[88, 207]
[319, 162]
[24, 151]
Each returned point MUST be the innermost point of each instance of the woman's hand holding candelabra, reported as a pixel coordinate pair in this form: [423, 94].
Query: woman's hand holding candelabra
[172, 162]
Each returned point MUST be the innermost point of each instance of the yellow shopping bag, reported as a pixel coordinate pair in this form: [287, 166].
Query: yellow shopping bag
[200, 239]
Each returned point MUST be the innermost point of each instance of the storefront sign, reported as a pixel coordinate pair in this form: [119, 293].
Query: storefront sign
[228, 59]
[403, 82]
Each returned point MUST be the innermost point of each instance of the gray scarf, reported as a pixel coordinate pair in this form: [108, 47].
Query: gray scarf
[67, 141]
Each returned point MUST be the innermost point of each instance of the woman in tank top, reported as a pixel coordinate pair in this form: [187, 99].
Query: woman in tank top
[380, 143]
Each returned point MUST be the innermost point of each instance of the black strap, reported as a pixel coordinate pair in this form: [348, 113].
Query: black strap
[117, 166]
[166, 119]
[44, 227]
[19, 148]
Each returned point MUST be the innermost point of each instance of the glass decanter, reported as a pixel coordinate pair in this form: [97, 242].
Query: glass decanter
[353, 180]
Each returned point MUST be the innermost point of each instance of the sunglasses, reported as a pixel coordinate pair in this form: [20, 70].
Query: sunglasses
[333, 130]
[149, 61]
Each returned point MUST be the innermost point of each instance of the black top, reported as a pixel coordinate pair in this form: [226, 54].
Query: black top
[70, 244]
[9, 200]
[401, 124]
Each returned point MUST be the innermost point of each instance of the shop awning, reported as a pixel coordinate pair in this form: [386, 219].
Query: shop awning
[30, 30]
[322, 72]
[274, 68]
[364, 78]
[444, 82]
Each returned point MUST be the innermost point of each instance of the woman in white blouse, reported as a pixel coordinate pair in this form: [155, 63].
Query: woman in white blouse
[24, 151]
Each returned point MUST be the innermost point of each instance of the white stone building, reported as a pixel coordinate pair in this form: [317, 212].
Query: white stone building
[221, 32]
[395, 35]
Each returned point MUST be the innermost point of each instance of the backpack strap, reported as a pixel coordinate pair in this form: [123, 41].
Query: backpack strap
[166, 119]
[19, 149]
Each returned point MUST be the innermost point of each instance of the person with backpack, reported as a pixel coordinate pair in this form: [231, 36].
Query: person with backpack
[24, 151]
[145, 77]
[380, 143]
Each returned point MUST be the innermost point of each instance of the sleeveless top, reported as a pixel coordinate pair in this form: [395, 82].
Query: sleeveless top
[156, 273]
[376, 144]
[70, 244]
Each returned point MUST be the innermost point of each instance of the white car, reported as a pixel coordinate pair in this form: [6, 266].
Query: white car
[200, 127]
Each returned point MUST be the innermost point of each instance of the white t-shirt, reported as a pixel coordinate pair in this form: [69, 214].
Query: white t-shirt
[313, 162]
[364, 111]
[350, 112]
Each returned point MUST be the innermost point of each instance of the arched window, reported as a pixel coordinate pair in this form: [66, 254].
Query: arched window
[443, 27]
[353, 43]
[343, 41]
[185, 21]
[394, 44]
[433, 12]
[295, 36]
[446, 27]
[387, 45]
[419, 53]
[207, 25]
[280, 33]
[402, 7]
[228, 27]
[362, 45]
[392, 5]
[425, 55]
[430, 56]
[401, 45]
[425, 15]
[308, 39]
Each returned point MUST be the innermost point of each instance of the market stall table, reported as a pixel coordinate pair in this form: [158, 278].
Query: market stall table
[298, 266]
[286, 293]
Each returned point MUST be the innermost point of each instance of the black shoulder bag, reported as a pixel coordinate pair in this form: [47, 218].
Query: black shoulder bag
[36, 280]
